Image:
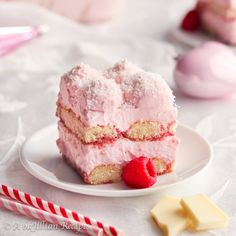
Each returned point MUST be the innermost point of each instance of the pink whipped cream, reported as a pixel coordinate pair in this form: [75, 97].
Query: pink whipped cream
[88, 157]
[121, 70]
[207, 72]
[118, 96]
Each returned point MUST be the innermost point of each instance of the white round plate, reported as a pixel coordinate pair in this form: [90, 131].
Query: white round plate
[194, 39]
[40, 156]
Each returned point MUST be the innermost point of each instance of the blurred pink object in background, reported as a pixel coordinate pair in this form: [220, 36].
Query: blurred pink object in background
[13, 37]
[86, 11]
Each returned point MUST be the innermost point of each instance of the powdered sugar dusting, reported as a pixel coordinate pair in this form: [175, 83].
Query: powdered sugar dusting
[133, 88]
[80, 71]
[119, 95]
[101, 93]
[96, 90]
[121, 70]
[142, 84]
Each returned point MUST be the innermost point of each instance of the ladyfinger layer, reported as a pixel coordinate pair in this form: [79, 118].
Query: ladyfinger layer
[100, 165]
[138, 131]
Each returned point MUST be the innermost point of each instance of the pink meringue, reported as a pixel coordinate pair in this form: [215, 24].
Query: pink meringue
[208, 71]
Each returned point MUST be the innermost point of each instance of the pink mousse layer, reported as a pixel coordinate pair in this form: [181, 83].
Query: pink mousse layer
[87, 157]
[118, 96]
[225, 30]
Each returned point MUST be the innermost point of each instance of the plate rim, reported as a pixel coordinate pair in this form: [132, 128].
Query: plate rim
[105, 192]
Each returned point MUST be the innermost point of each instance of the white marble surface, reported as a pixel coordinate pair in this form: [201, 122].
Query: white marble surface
[29, 83]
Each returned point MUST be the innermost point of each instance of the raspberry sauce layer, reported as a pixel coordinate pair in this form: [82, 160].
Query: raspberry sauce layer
[87, 157]
[138, 131]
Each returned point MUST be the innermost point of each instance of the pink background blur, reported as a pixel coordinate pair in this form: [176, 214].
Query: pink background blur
[86, 11]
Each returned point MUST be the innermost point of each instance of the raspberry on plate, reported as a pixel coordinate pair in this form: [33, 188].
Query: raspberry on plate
[139, 173]
[191, 21]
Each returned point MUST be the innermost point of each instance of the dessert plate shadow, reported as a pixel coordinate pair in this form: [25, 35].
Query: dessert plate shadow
[194, 39]
[40, 156]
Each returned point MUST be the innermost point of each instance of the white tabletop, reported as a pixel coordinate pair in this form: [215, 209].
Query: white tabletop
[28, 88]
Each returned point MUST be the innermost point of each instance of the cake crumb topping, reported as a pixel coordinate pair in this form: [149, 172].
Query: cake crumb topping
[124, 84]
[121, 70]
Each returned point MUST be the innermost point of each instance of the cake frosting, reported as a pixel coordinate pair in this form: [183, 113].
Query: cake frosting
[120, 152]
[107, 118]
[98, 100]
[121, 70]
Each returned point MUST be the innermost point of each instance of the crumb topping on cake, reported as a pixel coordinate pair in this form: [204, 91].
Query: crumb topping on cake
[119, 95]
[121, 70]
[81, 71]
[125, 81]
[144, 84]
[97, 92]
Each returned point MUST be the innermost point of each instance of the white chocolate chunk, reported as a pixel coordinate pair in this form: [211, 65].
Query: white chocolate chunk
[169, 215]
[203, 213]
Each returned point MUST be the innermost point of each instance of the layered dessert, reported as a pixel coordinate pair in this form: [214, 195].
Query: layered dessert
[107, 118]
[219, 18]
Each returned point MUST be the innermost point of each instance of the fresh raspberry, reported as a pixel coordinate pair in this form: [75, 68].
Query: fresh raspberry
[139, 173]
[191, 21]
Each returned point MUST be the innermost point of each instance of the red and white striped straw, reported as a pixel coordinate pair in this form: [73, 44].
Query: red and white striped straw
[66, 223]
[37, 202]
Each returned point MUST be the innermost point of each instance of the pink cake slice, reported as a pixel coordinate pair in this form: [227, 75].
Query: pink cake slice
[219, 18]
[121, 101]
[109, 117]
[101, 165]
